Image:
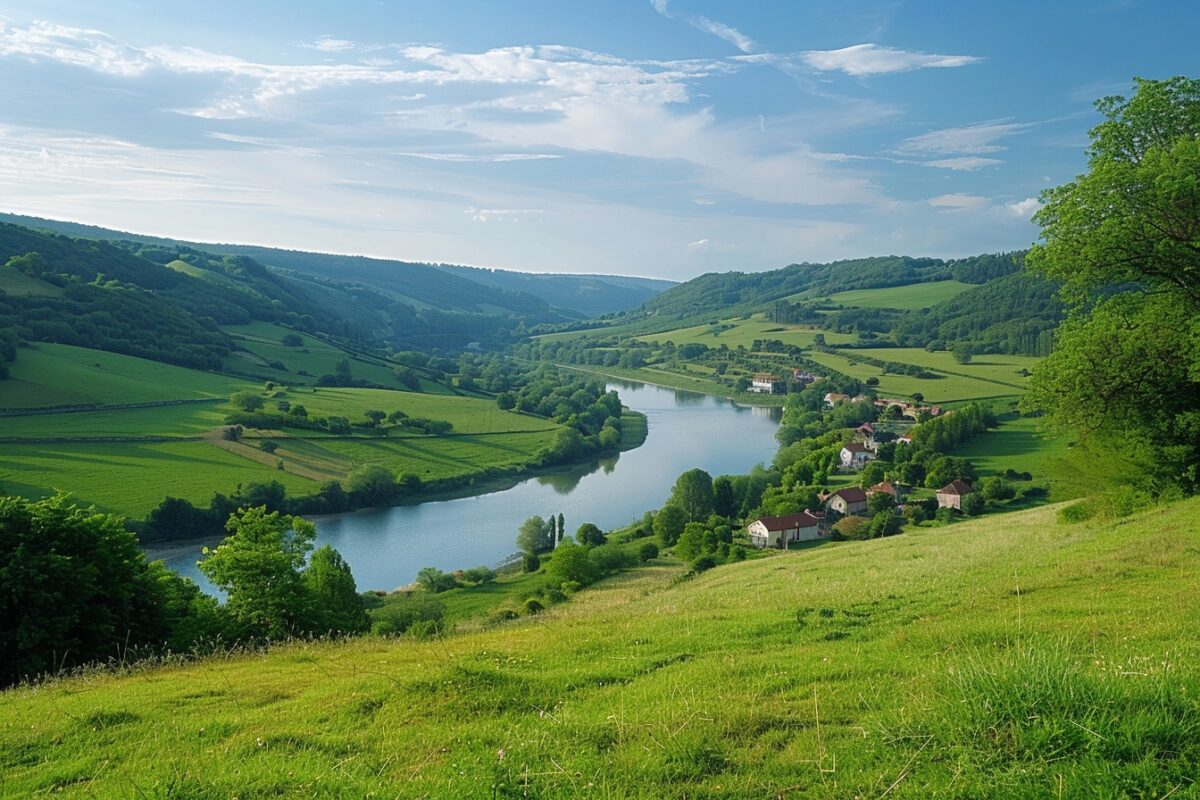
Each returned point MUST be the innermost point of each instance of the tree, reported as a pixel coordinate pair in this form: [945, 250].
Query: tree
[337, 604]
[374, 416]
[506, 401]
[434, 581]
[533, 536]
[372, 485]
[693, 492]
[247, 401]
[291, 340]
[258, 566]
[962, 352]
[883, 523]
[73, 588]
[879, 503]
[343, 374]
[589, 535]
[1123, 376]
[872, 474]
[561, 529]
[668, 524]
[851, 527]
[571, 563]
[396, 417]
[724, 502]
[973, 504]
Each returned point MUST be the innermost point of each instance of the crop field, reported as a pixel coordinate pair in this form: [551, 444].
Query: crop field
[973, 660]
[62, 375]
[262, 341]
[903, 298]
[132, 478]
[744, 332]
[936, 390]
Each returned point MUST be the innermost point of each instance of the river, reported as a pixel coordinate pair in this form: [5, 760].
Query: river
[386, 547]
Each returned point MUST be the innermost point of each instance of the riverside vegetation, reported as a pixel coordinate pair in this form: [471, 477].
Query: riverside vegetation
[1043, 652]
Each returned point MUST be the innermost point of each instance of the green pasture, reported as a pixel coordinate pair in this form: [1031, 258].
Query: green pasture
[61, 375]
[744, 332]
[1024, 445]
[1008, 656]
[132, 478]
[18, 284]
[434, 457]
[1001, 368]
[950, 388]
[902, 298]
[261, 345]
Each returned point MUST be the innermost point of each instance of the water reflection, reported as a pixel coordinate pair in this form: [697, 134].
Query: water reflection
[386, 547]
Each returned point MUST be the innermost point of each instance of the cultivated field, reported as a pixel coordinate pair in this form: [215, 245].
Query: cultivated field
[948, 389]
[1008, 656]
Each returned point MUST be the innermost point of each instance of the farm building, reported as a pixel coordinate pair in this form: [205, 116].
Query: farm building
[766, 384]
[885, 487]
[951, 495]
[851, 500]
[780, 531]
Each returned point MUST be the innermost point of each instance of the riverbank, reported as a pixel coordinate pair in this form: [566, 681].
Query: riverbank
[686, 383]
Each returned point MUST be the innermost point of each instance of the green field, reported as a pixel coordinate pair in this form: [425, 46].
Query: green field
[1004, 369]
[1021, 444]
[18, 284]
[261, 346]
[903, 298]
[949, 389]
[132, 478]
[744, 332]
[61, 375]
[1008, 656]
[432, 457]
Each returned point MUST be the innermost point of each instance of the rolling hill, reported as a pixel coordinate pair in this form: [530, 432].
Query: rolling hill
[1008, 656]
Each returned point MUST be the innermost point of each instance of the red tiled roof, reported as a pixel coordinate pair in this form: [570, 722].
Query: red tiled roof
[956, 486]
[789, 521]
[855, 447]
[884, 486]
[852, 494]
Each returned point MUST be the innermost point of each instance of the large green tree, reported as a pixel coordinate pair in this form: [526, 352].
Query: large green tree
[259, 567]
[693, 492]
[338, 605]
[1124, 240]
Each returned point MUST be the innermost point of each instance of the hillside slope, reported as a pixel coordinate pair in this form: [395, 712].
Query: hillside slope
[1009, 656]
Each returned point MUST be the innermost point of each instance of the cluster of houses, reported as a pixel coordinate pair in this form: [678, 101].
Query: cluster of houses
[907, 409]
[779, 532]
[765, 383]
[864, 447]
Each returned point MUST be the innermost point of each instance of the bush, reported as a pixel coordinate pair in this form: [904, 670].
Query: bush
[427, 629]
[648, 552]
[852, 527]
[534, 606]
[1076, 512]
[479, 575]
[973, 504]
[530, 563]
[401, 612]
[703, 564]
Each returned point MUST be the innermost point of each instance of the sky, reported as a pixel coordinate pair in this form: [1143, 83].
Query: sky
[663, 138]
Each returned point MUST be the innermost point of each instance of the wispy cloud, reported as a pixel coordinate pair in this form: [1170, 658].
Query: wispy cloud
[974, 139]
[510, 214]
[959, 202]
[702, 23]
[861, 60]
[328, 44]
[962, 163]
[481, 158]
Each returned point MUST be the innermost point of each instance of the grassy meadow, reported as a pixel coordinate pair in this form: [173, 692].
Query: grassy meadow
[262, 346]
[48, 375]
[743, 332]
[947, 389]
[1007, 656]
[902, 298]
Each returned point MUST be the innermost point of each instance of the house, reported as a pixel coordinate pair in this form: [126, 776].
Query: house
[766, 384]
[781, 531]
[800, 376]
[833, 398]
[851, 500]
[867, 433]
[885, 487]
[856, 455]
[951, 495]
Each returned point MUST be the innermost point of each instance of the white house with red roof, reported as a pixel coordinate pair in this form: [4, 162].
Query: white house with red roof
[779, 532]
[855, 455]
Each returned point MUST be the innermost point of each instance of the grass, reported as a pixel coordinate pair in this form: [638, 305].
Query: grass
[903, 298]
[948, 389]
[431, 458]
[744, 332]
[17, 284]
[690, 381]
[132, 478]
[1003, 369]
[261, 346]
[1022, 445]
[61, 375]
[1007, 656]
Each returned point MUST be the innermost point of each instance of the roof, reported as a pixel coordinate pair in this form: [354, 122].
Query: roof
[885, 486]
[835, 396]
[956, 486]
[762, 376]
[789, 521]
[866, 426]
[852, 494]
[855, 447]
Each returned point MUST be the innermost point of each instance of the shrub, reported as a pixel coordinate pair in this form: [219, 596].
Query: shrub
[973, 504]
[1076, 512]
[534, 606]
[648, 552]
[851, 527]
[703, 564]
[427, 629]
[401, 612]
[479, 575]
[530, 563]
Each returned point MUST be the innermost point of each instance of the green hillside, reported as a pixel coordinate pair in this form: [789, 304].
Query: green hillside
[917, 295]
[1008, 656]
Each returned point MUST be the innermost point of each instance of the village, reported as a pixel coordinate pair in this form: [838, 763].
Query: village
[897, 418]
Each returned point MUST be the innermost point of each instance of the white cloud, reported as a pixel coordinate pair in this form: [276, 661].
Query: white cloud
[730, 34]
[328, 44]
[698, 244]
[968, 140]
[76, 47]
[959, 202]
[962, 163]
[511, 214]
[1024, 209]
[481, 158]
[871, 59]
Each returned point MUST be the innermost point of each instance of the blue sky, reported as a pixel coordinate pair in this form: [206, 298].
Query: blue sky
[646, 137]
